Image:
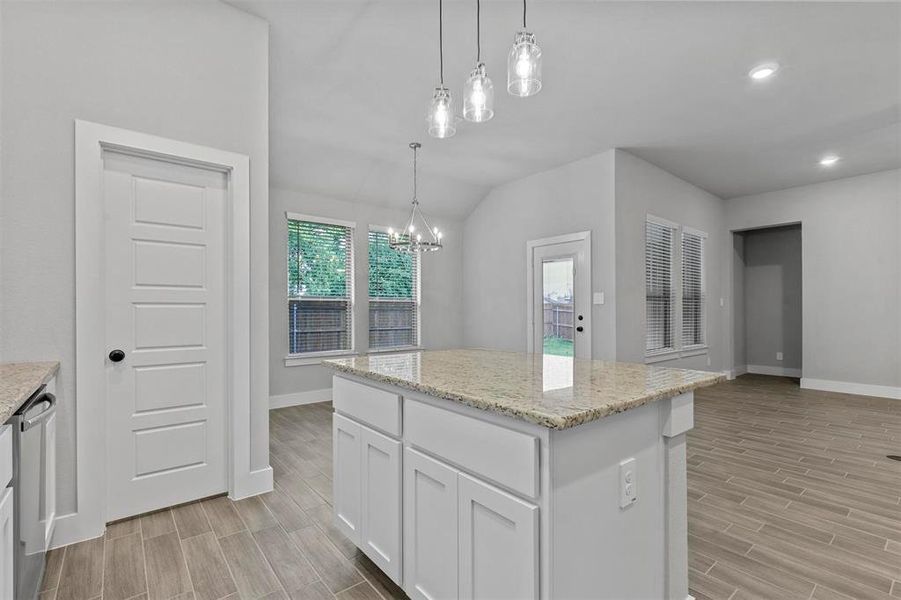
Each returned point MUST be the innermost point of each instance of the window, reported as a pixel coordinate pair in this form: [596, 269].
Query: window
[320, 286]
[676, 316]
[393, 295]
[693, 292]
[660, 297]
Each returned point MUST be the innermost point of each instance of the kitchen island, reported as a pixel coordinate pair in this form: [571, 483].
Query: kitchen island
[489, 474]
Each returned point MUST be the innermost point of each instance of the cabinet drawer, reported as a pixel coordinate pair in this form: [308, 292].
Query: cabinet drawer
[6, 455]
[508, 457]
[367, 404]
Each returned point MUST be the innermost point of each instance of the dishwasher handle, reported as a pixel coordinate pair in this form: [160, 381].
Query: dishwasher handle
[46, 398]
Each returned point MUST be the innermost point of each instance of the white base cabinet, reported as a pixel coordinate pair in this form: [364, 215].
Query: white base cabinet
[452, 502]
[7, 539]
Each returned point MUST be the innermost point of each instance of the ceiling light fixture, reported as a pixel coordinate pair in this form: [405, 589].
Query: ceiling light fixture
[524, 62]
[763, 71]
[441, 108]
[410, 238]
[829, 160]
[478, 93]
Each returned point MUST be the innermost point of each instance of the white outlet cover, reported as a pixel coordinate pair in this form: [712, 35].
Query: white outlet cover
[778, 356]
[598, 298]
[628, 483]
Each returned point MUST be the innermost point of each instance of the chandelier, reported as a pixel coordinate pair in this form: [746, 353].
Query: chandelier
[417, 235]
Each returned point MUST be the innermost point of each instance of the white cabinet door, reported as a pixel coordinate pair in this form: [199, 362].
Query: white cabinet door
[346, 483]
[380, 501]
[430, 528]
[7, 543]
[48, 512]
[498, 543]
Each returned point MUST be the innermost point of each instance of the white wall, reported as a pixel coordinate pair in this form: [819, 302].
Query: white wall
[851, 273]
[772, 298]
[575, 197]
[441, 276]
[737, 318]
[192, 71]
[642, 189]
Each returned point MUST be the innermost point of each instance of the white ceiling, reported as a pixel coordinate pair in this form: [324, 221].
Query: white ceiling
[667, 81]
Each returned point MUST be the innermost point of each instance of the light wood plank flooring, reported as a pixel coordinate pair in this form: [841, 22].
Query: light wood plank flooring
[790, 496]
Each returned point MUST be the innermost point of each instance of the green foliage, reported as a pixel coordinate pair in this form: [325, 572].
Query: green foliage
[558, 346]
[390, 272]
[318, 260]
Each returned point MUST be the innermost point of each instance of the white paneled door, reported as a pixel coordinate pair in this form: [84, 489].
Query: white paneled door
[165, 306]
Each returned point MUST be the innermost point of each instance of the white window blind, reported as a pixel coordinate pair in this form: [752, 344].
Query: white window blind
[393, 295]
[659, 281]
[693, 292]
[320, 287]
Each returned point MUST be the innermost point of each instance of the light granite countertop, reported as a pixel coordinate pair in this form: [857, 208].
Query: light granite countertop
[18, 381]
[551, 391]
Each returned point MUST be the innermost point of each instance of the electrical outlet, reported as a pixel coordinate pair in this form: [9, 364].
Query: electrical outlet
[778, 356]
[628, 483]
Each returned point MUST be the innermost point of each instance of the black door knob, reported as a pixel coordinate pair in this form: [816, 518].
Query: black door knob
[116, 355]
[579, 328]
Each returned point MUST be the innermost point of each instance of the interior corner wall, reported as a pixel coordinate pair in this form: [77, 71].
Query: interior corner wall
[642, 189]
[191, 71]
[578, 196]
[772, 298]
[441, 301]
[851, 272]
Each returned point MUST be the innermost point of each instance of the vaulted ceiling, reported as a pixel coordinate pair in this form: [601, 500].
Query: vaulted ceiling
[667, 81]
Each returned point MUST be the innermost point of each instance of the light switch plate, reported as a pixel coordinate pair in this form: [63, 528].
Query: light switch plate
[628, 483]
[599, 297]
[778, 356]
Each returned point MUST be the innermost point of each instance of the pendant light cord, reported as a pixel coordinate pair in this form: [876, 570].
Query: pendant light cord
[415, 200]
[523, 14]
[440, 43]
[478, 31]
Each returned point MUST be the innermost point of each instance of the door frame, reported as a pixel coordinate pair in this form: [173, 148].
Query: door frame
[91, 141]
[531, 246]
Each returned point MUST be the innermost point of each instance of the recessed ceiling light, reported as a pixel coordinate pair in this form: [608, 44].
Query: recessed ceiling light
[829, 160]
[763, 71]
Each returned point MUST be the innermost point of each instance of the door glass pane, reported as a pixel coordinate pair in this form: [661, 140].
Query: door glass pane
[559, 323]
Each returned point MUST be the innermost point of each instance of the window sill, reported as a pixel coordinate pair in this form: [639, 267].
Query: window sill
[675, 354]
[315, 358]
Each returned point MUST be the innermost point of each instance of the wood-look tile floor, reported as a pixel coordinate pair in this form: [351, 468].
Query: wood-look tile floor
[790, 496]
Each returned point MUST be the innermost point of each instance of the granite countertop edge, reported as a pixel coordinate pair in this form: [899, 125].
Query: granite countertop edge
[18, 381]
[532, 416]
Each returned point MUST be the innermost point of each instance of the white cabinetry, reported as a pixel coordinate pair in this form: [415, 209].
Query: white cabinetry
[430, 528]
[7, 544]
[366, 492]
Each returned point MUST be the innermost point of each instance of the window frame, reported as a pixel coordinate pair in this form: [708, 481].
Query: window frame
[703, 320]
[679, 350]
[417, 295]
[674, 287]
[310, 358]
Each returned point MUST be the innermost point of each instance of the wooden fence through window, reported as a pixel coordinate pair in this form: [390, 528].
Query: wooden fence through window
[558, 320]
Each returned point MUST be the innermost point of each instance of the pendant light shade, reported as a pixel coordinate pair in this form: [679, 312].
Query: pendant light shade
[478, 93]
[441, 114]
[417, 235]
[440, 117]
[524, 62]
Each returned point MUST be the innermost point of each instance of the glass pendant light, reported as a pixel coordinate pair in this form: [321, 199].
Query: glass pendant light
[440, 117]
[478, 93]
[524, 62]
[417, 235]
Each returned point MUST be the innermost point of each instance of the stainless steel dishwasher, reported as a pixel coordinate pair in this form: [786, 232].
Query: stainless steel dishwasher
[33, 482]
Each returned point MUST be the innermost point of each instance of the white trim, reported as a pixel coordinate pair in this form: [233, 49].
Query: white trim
[736, 371]
[291, 216]
[663, 356]
[315, 358]
[91, 141]
[662, 221]
[300, 398]
[694, 232]
[531, 245]
[849, 387]
[395, 350]
[776, 371]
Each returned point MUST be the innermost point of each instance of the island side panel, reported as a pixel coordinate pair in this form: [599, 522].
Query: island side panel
[600, 550]
[678, 418]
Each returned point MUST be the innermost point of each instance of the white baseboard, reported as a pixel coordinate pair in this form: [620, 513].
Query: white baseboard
[257, 482]
[777, 371]
[298, 398]
[848, 387]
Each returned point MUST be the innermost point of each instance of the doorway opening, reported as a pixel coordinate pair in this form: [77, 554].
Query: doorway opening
[767, 292]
